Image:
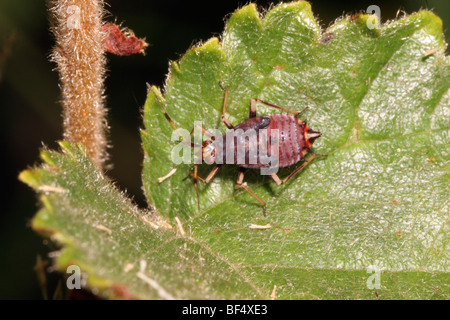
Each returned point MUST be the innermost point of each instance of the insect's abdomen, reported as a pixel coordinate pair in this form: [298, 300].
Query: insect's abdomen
[289, 148]
[291, 144]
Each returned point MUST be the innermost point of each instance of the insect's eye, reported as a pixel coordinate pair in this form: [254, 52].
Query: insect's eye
[206, 143]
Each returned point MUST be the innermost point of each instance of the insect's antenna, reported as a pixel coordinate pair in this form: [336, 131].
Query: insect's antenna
[301, 112]
[167, 115]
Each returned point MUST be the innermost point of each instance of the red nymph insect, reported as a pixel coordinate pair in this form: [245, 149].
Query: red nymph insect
[293, 143]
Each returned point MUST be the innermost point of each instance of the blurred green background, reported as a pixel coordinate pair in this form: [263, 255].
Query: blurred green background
[31, 116]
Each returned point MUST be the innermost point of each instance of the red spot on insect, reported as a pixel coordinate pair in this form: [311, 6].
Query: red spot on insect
[122, 43]
[309, 136]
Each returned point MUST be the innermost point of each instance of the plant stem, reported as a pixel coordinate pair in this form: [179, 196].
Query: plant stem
[80, 59]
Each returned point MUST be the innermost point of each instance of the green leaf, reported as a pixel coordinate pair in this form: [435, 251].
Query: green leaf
[125, 252]
[381, 99]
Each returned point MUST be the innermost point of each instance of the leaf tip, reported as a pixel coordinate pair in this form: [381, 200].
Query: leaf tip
[211, 44]
[28, 177]
[174, 69]
[41, 221]
[295, 7]
[67, 148]
[246, 11]
[46, 156]
[433, 23]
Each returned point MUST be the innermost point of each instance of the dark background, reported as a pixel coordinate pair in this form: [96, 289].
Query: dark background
[30, 113]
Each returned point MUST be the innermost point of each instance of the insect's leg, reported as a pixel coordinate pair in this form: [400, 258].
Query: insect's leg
[206, 132]
[253, 102]
[225, 101]
[252, 112]
[277, 179]
[240, 184]
[210, 175]
[168, 117]
[196, 177]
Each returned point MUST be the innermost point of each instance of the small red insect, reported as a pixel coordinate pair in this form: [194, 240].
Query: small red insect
[121, 43]
[294, 142]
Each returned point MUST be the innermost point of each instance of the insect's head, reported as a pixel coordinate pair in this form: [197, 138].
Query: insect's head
[208, 152]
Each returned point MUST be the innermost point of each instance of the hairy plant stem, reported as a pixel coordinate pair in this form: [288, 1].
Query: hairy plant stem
[80, 59]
